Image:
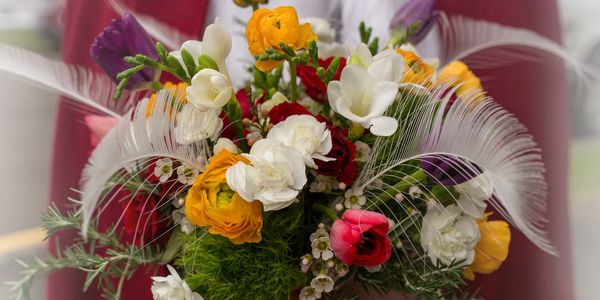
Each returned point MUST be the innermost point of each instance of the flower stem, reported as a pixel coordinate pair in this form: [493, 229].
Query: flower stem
[156, 86]
[318, 207]
[401, 186]
[293, 81]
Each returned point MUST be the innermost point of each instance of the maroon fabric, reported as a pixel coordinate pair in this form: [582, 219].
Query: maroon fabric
[83, 20]
[536, 93]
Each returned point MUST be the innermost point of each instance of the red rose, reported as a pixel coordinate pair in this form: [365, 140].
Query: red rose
[281, 111]
[360, 237]
[344, 151]
[140, 218]
[313, 86]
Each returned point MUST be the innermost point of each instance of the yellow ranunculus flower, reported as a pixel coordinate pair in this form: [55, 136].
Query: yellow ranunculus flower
[417, 71]
[492, 249]
[210, 202]
[458, 73]
[177, 88]
[268, 28]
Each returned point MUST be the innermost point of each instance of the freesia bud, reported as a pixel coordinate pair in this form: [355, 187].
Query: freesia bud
[124, 37]
[412, 11]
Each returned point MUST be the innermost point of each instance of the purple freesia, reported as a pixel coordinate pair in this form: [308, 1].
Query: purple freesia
[449, 170]
[413, 11]
[124, 37]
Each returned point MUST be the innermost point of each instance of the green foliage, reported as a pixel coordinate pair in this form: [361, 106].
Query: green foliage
[218, 269]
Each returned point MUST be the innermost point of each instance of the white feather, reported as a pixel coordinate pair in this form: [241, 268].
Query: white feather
[137, 137]
[484, 44]
[84, 86]
[169, 36]
[481, 132]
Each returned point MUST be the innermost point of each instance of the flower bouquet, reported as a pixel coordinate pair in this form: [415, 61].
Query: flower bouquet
[332, 173]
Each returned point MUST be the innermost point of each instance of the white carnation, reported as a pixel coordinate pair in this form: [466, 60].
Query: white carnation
[447, 235]
[194, 125]
[275, 177]
[172, 287]
[305, 134]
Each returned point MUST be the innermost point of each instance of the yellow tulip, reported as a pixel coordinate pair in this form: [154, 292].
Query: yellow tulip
[492, 249]
[268, 28]
[210, 202]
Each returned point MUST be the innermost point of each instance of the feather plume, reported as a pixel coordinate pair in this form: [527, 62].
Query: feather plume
[484, 44]
[89, 90]
[475, 129]
[169, 36]
[138, 136]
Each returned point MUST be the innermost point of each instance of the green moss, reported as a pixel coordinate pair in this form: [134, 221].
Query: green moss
[218, 269]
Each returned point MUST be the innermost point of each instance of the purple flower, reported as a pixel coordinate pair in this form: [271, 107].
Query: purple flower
[124, 37]
[412, 11]
[449, 170]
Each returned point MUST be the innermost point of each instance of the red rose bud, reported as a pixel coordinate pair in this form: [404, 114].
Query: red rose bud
[313, 86]
[361, 238]
[140, 218]
[282, 111]
[344, 168]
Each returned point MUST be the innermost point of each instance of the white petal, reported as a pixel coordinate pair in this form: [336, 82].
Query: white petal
[383, 95]
[355, 81]
[383, 126]
[194, 48]
[240, 178]
[390, 68]
[217, 44]
[361, 56]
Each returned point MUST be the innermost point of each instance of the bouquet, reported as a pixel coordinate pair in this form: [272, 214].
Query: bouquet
[332, 172]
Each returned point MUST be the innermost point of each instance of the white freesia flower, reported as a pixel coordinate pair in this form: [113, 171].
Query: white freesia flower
[387, 65]
[210, 89]
[216, 44]
[275, 178]
[172, 287]
[227, 144]
[361, 97]
[447, 235]
[305, 134]
[194, 125]
[474, 194]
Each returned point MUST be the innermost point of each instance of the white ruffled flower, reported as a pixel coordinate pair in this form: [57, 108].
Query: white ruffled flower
[227, 144]
[275, 177]
[447, 235]
[216, 44]
[354, 199]
[172, 287]
[363, 151]
[322, 283]
[194, 125]
[187, 174]
[309, 293]
[277, 99]
[210, 90]
[305, 134]
[163, 169]
[366, 89]
[474, 194]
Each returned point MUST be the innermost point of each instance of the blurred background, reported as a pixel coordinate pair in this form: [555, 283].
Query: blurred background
[27, 131]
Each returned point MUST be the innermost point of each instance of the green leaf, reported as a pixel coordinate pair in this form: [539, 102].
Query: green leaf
[173, 247]
[206, 62]
[234, 113]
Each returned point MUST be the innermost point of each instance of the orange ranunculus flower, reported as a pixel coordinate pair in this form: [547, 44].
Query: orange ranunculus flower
[176, 89]
[492, 249]
[268, 28]
[210, 202]
[417, 71]
[457, 73]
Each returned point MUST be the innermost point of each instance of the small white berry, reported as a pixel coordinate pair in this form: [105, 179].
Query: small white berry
[339, 207]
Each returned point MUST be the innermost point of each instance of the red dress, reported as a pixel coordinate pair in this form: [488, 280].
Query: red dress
[83, 20]
[537, 94]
